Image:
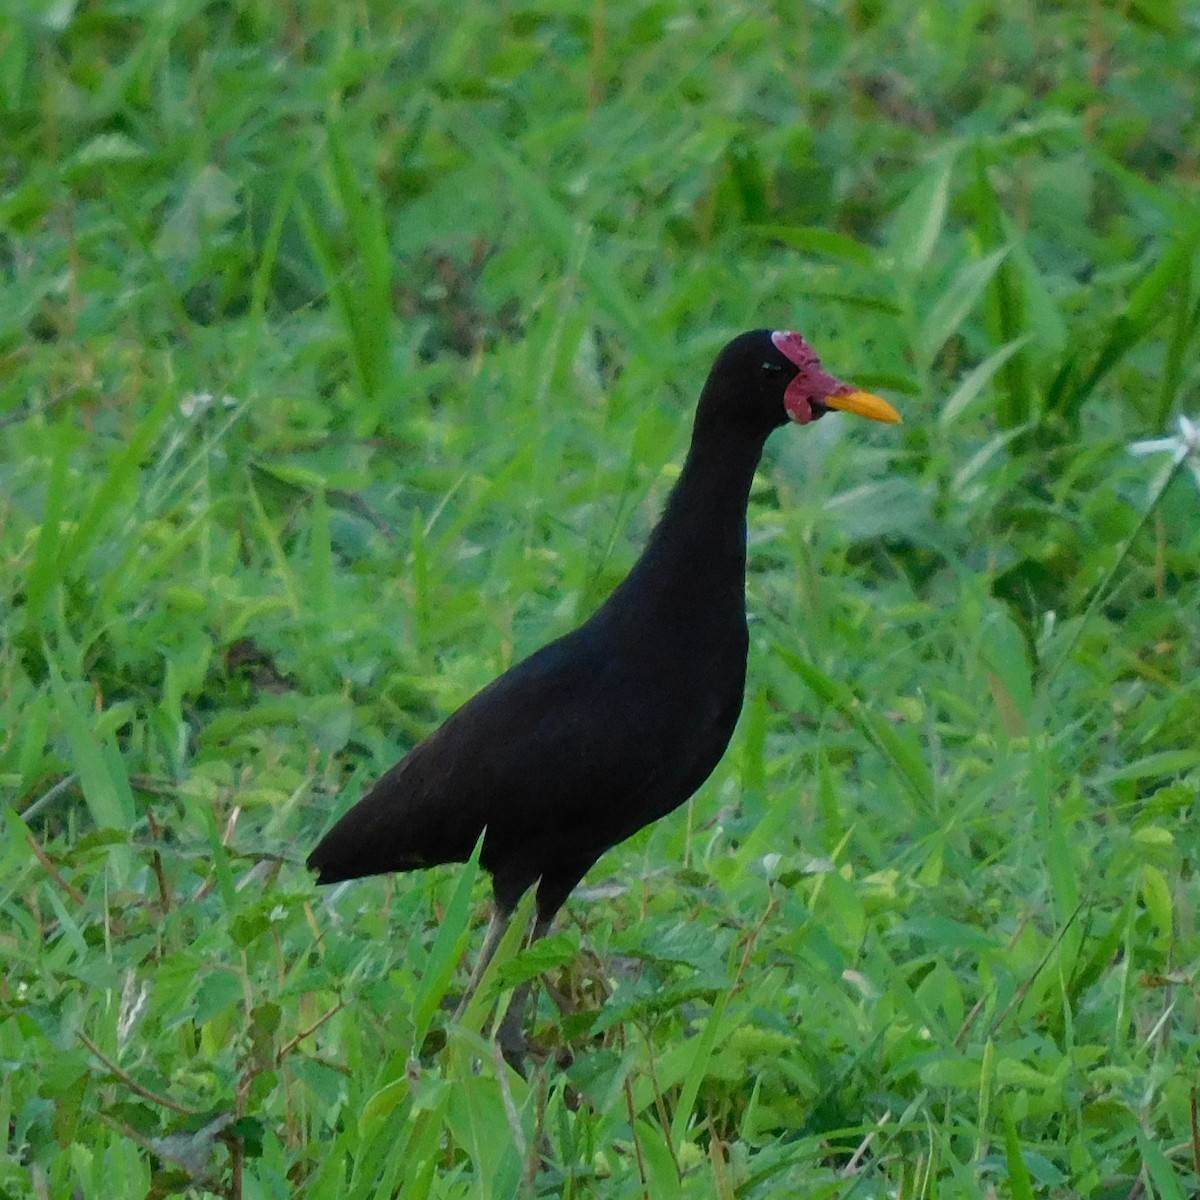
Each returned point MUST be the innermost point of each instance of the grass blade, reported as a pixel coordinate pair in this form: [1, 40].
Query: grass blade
[903, 753]
[977, 379]
[561, 227]
[696, 1071]
[48, 562]
[1006, 309]
[102, 777]
[952, 307]
[448, 948]
[1019, 1181]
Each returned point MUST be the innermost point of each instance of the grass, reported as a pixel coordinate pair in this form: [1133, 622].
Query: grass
[346, 355]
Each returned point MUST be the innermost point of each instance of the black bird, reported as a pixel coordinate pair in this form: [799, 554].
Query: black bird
[614, 725]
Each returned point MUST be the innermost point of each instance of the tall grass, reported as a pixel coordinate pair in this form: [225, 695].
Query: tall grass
[346, 356]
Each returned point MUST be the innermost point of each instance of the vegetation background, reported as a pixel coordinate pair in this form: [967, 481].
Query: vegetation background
[347, 351]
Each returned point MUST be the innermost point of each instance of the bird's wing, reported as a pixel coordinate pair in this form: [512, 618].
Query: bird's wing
[540, 750]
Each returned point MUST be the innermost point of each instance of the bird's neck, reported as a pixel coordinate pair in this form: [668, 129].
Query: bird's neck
[699, 543]
[707, 505]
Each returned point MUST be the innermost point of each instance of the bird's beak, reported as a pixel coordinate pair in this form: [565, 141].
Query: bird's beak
[813, 385]
[864, 404]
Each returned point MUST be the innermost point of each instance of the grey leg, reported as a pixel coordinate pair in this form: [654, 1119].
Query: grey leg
[497, 924]
[511, 1034]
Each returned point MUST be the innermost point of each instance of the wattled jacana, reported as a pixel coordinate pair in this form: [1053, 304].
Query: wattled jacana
[619, 722]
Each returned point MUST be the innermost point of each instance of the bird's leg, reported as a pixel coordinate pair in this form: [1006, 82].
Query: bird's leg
[511, 1034]
[497, 924]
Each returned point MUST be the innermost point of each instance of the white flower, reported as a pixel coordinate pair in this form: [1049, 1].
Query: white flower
[1184, 447]
[198, 402]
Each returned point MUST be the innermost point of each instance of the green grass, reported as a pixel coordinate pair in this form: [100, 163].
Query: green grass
[347, 352]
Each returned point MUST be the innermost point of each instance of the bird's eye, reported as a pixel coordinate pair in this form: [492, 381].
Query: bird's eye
[771, 368]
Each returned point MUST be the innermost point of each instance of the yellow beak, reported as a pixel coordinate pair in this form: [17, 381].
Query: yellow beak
[865, 405]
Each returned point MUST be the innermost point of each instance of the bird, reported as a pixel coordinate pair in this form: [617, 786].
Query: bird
[618, 722]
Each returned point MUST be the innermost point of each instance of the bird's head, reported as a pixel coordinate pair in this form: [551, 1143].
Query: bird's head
[766, 378]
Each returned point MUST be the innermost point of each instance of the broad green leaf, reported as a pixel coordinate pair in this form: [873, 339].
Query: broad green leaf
[1166, 1178]
[383, 1103]
[1003, 650]
[918, 222]
[1156, 896]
